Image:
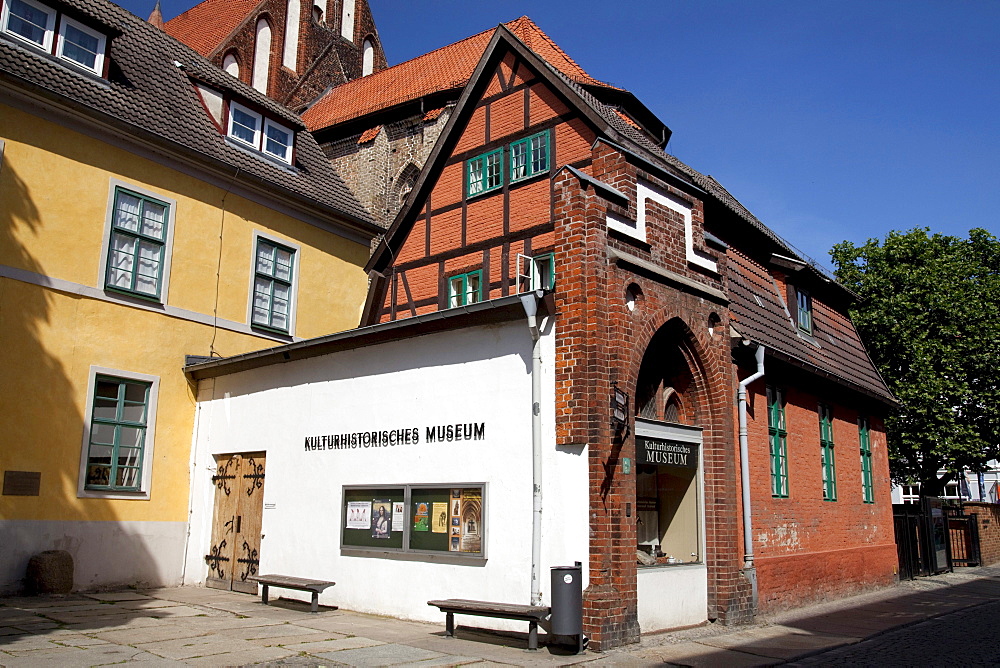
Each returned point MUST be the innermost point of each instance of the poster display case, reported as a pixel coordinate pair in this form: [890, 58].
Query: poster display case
[418, 518]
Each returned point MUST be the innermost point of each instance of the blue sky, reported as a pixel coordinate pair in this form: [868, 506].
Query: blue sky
[828, 119]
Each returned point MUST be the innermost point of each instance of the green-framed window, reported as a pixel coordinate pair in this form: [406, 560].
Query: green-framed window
[827, 456]
[465, 289]
[778, 437]
[272, 286]
[864, 440]
[117, 434]
[137, 246]
[484, 172]
[529, 156]
[804, 314]
[543, 272]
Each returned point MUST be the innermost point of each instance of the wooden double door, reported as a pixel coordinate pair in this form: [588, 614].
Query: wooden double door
[236, 522]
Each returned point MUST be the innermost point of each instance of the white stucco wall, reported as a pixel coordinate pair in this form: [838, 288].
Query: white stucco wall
[479, 375]
[145, 553]
[672, 596]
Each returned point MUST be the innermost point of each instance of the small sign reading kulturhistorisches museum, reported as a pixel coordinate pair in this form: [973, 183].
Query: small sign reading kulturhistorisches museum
[665, 453]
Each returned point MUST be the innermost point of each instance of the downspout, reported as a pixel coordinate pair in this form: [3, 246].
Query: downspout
[529, 301]
[748, 566]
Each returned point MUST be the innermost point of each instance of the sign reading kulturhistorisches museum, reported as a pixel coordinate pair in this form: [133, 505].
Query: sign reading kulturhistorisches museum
[446, 433]
[665, 453]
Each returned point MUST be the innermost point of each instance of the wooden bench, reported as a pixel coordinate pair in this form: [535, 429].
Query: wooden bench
[529, 613]
[288, 582]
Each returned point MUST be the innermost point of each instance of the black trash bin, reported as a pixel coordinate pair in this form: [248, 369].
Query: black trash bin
[567, 603]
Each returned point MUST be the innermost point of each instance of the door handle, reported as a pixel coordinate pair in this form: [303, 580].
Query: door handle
[239, 519]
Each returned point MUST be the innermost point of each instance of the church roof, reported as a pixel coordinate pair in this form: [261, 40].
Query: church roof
[206, 25]
[447, 68]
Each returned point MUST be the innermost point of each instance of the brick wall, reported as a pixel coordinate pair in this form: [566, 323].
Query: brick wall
[807, 548]
[988, 515]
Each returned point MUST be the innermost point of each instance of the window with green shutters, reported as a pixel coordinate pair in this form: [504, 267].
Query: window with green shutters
[529, 156]
[484, 172]
[272, 286]
[137, 245]
[778, 437]
[465, 289]
[117, 434]
[826, 453]
[864, 438]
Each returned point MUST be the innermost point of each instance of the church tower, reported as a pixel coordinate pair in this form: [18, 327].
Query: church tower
[291, 50]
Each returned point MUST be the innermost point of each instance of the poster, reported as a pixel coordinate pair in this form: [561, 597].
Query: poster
[439, 517]
[397, 515]
[455, 505]
[381, 518]
[472, 520]
[359, 514]
[421, 522]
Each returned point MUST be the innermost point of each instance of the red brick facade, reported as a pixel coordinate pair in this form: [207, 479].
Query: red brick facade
[652, 315]
[324, 58]
[988, 518]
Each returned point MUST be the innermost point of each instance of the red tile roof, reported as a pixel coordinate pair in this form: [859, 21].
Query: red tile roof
[369, 134]
[443, 69]
[205, 26]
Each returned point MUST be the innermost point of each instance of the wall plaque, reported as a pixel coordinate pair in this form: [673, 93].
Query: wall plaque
[21, 483]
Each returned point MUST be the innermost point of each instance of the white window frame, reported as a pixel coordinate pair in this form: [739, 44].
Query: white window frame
[168, 253]
[147, 449]
[234, 106]
[287, 156]
[260, 134]
[101, 45]
[49, 25]
[293, 299]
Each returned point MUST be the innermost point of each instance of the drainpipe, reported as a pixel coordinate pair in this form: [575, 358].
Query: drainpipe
[529, 301]
[745, 464]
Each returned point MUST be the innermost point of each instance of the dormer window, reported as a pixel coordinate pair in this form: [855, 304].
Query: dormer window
[260, 133]
[35, 23]
[804, 311]
[29, 21]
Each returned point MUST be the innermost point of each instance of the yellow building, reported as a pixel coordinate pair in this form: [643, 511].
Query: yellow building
[151, 207]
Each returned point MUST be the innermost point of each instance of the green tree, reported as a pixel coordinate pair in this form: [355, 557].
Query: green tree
[929, 315]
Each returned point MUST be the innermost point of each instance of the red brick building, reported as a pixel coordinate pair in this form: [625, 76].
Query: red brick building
[290, 50]
[527, 174]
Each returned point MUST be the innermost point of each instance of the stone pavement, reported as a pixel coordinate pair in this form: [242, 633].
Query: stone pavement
[196, 626]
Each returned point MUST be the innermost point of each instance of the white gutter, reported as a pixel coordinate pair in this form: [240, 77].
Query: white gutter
[744, 458]
[530, 302]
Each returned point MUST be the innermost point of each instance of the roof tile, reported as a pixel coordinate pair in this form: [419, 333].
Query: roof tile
[443, 69]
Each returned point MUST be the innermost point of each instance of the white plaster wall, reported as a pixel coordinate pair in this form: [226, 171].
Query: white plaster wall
[480, 374]
[672, 596]
[144, 553]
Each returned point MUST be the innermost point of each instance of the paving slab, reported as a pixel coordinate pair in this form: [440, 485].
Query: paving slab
[76, 658]
[698, 655]
[118, 596]
[778, 642]
[189, 648]
[27, 642]
[281, 631]
[148, 634]
[10, 631]
[333, 645]
[380, 655]
[241, 658]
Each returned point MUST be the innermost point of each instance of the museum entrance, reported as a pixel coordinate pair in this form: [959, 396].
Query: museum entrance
[669, 490]
[236, 522]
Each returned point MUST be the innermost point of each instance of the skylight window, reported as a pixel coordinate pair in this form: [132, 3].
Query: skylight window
[259, 133]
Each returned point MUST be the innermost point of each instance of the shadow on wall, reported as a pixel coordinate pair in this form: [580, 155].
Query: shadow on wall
[41, 424]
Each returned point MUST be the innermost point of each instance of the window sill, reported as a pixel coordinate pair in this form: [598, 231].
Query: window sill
[250, 150]
[69, 65]
[271, 332]
[686, 564]
[128, 295]
[112, 494]
[483, 193]
[530, 177]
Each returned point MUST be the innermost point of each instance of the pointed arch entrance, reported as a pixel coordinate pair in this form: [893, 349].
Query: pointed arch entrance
[670, 413]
